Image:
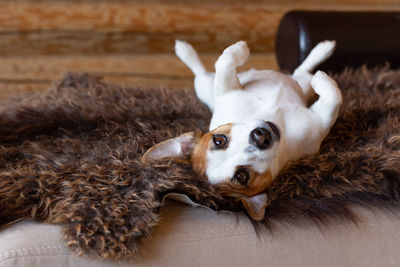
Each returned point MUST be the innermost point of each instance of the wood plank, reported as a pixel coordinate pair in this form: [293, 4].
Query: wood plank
[17, 88]
[91, 28]
[91, 43]
[165, 16]
[10, 89]
[50, 67]
[220, 2]
[36, 73]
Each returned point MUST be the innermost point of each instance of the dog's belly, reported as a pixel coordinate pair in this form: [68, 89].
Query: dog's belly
[266, 96]
[268, 82]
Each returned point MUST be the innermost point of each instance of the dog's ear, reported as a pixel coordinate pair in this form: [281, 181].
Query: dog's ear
[179, 148]
[256, 206]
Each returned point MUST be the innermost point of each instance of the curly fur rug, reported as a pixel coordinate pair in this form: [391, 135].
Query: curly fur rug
[71, 156]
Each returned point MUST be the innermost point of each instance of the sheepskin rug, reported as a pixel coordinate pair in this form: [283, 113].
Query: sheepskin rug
[71, 156]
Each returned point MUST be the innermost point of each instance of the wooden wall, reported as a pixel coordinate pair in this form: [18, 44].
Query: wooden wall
[98, 27]
[132, 40]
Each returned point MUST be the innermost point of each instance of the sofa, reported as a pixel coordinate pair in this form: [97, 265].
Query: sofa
[198, 236]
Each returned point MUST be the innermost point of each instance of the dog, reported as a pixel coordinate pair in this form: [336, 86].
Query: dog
[261, 121]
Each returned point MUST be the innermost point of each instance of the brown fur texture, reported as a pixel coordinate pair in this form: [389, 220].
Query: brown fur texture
[71, 156]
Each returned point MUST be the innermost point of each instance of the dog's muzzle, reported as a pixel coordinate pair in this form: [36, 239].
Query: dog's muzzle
[264, 136]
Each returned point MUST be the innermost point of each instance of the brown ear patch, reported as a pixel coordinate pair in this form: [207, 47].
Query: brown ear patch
[199, 155]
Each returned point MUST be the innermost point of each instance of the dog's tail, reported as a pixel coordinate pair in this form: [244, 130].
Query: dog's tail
[189, 56]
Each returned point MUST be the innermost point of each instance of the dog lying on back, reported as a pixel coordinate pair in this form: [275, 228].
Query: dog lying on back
[260, 122]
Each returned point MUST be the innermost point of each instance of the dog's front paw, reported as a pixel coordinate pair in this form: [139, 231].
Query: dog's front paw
[234, 56]
[326, 87]
[320, 81]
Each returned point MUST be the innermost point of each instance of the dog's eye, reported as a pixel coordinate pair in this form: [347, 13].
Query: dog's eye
[242, 175]
[220, 140]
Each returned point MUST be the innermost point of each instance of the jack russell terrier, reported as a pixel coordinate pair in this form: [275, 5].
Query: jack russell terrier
[260, 122]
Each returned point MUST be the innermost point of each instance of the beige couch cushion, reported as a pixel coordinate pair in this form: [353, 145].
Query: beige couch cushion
[188, 236]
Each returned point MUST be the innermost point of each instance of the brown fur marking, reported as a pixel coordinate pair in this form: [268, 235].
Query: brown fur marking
[199, 155]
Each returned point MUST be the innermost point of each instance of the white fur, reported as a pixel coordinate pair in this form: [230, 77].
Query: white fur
[249, 98]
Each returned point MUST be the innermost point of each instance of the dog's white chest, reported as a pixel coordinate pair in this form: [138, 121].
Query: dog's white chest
[265, 95]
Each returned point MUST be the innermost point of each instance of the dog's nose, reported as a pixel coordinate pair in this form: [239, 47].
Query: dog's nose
[261, 137]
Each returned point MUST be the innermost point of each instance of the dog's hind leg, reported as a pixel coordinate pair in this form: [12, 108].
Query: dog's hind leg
[226, 78]
[330, 99]
[189, 56]
[203, 80]
[303, 73]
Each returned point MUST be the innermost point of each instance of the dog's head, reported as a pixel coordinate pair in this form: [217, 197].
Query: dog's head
[239, 159]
